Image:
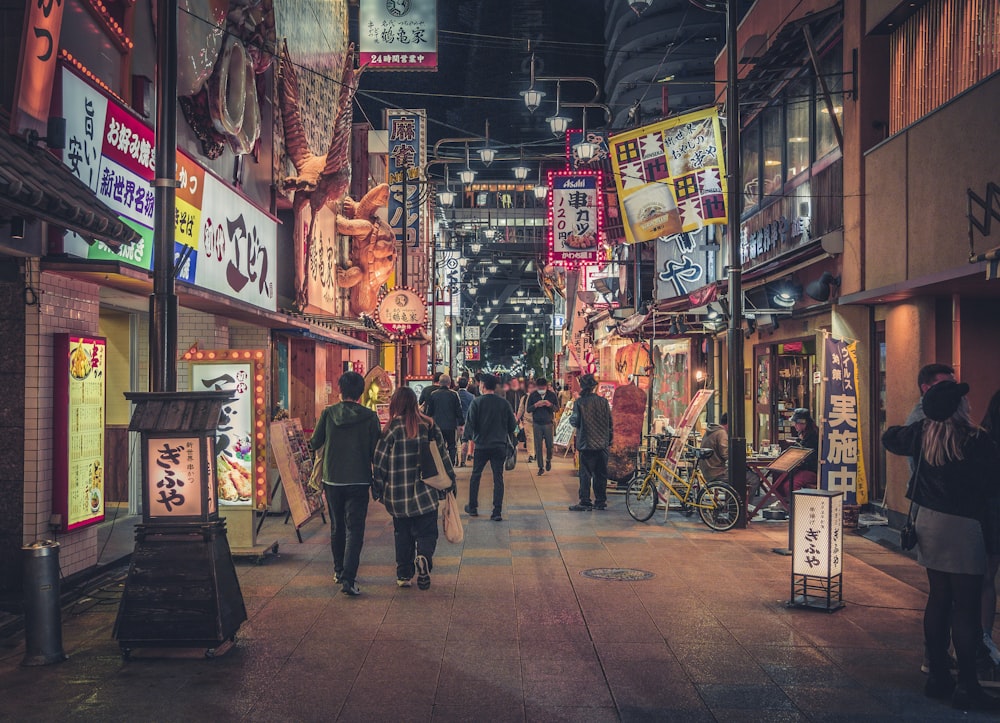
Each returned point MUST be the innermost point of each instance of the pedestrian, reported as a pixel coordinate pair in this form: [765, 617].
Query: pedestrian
[513, 393]
[991, 423]
[428, 390]
[594, 433]
[412, 504]
[543, 403]
[465, 397]
[445, 407]
[349, 432]
[524, 419]
[490, 425]
[716, 466]
[928, 376]
[807, 436]
[956, 466]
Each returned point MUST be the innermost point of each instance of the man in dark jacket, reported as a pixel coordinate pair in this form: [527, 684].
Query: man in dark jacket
[350, 432]
[594, 431]
[542, 406]
[427, 391]
[716, 466]
[465, 397]
[490, 424]
[445, 408]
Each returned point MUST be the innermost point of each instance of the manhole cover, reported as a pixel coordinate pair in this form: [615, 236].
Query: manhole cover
[621, 574]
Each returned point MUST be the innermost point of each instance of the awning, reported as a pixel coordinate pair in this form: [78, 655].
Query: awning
[967, 281]
[122, 277]
[36, 184]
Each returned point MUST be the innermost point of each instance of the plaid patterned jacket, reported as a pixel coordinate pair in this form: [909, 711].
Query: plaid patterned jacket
[397, 472]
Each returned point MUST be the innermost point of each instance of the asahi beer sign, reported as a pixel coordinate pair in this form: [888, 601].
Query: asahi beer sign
[576, 217]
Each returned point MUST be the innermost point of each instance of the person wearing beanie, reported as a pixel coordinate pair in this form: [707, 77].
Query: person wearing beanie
[951, 489]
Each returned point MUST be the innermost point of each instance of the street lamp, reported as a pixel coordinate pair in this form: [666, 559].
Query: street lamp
[447, 196]
[532, 97]
[585, 150]
[487, 154]
[558, 123]
[467, 175]
[521, 171]
[541, 190]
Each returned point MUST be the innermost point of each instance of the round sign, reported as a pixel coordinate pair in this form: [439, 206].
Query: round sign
[401, 312]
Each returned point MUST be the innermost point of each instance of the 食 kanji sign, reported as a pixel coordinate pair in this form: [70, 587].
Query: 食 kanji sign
[575, 218]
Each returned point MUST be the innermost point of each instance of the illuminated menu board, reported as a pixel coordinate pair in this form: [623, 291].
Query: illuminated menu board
[78, 435]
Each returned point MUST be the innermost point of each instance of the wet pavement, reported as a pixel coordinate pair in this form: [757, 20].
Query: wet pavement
[510, 630]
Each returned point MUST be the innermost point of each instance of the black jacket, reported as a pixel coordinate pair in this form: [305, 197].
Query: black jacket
[490, 422]
[444, 406]
[350, 433]
[956, 488]
[542, 415]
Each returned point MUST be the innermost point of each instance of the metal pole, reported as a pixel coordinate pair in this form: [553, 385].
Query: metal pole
[163, 301]
[737, 416]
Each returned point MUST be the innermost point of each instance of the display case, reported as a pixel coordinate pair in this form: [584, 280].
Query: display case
[784, 382]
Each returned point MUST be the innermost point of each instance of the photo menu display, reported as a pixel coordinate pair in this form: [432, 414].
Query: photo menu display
[78, 418]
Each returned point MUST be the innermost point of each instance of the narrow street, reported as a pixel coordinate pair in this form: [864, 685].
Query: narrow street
[510, 630]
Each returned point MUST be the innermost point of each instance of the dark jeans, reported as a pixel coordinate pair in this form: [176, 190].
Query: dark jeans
[594, 470]
[543, 433]
[495, 456]
[449, 440]
[348, 511]
[414, 536]
[953, 612]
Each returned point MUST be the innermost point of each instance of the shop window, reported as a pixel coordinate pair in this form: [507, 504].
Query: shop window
[831, 66]
[750, 164]
[773, 148]
[798, 107]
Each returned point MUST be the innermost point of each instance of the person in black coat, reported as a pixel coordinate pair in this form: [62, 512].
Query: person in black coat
[445, 408]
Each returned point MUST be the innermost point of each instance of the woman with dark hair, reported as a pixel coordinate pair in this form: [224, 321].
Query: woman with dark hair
[412, 504]
[807, 433]
[991, 532]
[952, 483]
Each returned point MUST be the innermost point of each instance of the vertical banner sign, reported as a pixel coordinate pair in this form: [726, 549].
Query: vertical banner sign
[406, 139]
[840, 469]
[576, 217]
[234, 441]
[398, 34]
[78, 430]
[39, 55]
[670, 176]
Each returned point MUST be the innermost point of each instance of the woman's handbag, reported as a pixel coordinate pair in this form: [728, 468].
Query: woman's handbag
[908, 533]
[451, 520]
[315, 482]
[432, 469]
[510, 461]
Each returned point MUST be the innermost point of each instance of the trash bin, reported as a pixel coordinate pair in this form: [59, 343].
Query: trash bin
[42, 614]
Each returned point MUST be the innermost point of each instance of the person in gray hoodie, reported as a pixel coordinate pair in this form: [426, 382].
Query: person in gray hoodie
[350, 432]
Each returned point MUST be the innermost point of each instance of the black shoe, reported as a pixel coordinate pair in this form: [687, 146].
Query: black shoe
[471, 512]
[939, 686]
[423, 572]
[581, 508]
[496, 516]
[600, 506]
[540, 471]
[350, 589]
[336, 578]
[548, 465]
[531, 458]
[967, 697]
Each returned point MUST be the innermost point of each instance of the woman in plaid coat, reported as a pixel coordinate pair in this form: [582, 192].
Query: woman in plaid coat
[412, 504]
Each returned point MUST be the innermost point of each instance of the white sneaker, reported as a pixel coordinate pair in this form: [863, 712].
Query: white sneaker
[991, 648]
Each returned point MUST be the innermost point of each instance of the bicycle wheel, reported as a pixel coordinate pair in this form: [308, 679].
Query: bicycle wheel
[640, 499]
[719, 506]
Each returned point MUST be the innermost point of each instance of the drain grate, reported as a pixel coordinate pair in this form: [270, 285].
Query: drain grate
[617, 574]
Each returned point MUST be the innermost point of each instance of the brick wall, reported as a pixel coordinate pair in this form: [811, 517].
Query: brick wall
[12, 367]
[65, 306]
[248, 337]
[207, 330]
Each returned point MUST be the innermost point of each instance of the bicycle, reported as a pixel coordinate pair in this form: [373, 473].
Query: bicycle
[716, 502]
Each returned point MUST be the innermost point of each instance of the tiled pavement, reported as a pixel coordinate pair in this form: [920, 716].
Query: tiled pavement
[511, 631]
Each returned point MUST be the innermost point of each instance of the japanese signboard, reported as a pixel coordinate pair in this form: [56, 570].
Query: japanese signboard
[575, 217]
[684, 262]
[398, 34]
[39, 56]
[472, 352]
[670, 176]
[841, 462]
[173, 477]
[686, 423]
[229, 243]
[472, 333]
[401, 312]
[817, 544]
[407, 138]
[294, 461]
[240, 440]
[78, 430]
